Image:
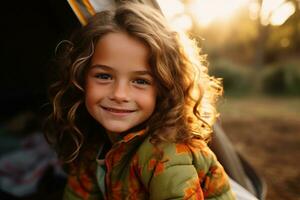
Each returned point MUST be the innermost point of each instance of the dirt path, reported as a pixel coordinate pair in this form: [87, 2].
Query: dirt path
[271, 144]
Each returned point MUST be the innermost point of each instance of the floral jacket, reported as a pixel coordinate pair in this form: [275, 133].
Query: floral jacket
[134, 171]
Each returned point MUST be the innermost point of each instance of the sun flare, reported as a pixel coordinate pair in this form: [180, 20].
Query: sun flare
[274, 12]
[208, 11]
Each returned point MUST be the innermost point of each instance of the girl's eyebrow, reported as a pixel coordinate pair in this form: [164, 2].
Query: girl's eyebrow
[105, 67]
[143, 72]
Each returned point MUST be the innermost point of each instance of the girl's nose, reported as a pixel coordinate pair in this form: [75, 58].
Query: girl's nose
[120, 92]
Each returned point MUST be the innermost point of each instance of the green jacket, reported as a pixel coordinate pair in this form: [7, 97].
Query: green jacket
[136, 169]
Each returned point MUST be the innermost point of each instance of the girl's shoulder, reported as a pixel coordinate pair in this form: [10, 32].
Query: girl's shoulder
[182, 167]
[196, 153]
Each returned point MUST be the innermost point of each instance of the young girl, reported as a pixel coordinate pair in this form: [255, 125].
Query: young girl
[132, 112]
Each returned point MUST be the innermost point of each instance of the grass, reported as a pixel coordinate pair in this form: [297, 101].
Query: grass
[260, 107]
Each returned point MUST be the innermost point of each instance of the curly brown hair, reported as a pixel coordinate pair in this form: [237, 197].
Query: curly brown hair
[185, 105]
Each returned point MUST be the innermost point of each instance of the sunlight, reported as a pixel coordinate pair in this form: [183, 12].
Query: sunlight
[174, 12]
[171, 8]
[183, 23]
[209, 11]
[254, 10]
[274, 12]
[267, 8]
[281, 14]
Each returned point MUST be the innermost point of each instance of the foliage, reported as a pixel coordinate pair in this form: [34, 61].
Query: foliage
[259, 44]
[282, 79]
[236, 79]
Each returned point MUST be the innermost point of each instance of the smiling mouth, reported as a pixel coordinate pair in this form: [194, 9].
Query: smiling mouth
[115, 110]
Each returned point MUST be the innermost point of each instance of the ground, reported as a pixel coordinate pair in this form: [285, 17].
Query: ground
[266, 131]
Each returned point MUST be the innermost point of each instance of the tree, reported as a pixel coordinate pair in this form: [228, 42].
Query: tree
[264, 30]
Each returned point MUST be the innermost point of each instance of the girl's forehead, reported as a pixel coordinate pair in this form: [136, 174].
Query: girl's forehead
[121, 50]
[120, 40]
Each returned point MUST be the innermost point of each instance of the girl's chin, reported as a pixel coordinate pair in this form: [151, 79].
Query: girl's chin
[116, 131]
[116, 128]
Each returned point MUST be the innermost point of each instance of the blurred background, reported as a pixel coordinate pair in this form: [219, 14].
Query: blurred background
[254, 45]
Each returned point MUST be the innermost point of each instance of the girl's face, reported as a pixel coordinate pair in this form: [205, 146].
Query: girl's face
[120, 90]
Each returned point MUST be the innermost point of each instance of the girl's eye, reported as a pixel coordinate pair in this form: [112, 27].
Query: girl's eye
[141, 82]
[103, 76]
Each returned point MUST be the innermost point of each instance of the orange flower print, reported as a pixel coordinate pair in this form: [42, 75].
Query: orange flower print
[152, 164]
[116, 190]
[134, 188]
[194, 191]
[118, 155]
[181, 148]
[208, 186]
[157, 166]
[201, 175]
[76, 186]
[160, 167]
[216, 180]
[132, 135]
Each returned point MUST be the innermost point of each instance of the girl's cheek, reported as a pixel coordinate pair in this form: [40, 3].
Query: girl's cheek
[146, 99]
[148, 93]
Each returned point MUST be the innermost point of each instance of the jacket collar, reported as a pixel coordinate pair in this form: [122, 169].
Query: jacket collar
[132, 135]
